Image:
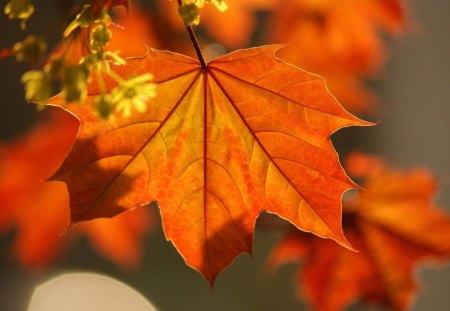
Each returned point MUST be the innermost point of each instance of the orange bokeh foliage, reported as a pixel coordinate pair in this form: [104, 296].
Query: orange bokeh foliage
[342, 36]
[132, 33]
[232, 28]
[24, 198]
[393, 224]
[39, 211]
[340, 40]
[216, 147]
[121, 238]
[235, 27]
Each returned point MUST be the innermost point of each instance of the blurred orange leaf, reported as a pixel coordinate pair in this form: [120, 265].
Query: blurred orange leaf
[38, 210]
[341, 36]
[393, 224]
[132, 33]
[215, 148]
[234, 27]
[121, 238]
[339, 40]
[40, 222]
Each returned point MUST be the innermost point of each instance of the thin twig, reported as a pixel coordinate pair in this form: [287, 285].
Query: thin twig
[194, 41]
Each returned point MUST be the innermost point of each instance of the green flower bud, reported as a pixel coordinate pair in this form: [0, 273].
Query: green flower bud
[19, 9]
[189, 13]
[38, 85]
[103, 105]
[99, 37]
[189, 9]
[74, 83]
[30, 49]
[55, 67]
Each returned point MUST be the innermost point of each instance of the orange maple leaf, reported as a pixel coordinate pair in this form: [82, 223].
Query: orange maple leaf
[394, 225]
[216, 147]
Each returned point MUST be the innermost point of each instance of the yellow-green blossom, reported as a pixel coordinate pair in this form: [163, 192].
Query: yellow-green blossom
[133, 93]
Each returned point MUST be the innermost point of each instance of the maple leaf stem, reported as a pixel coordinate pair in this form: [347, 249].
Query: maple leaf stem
[194, 41]
[196, 46]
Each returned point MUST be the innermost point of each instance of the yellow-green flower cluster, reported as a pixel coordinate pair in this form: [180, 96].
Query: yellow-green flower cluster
[129, 95]
[189, 9]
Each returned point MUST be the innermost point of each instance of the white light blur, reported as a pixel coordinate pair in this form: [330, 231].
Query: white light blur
[213, 50]
[87, 292]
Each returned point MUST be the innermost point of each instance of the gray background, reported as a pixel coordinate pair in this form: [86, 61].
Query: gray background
[414, 131]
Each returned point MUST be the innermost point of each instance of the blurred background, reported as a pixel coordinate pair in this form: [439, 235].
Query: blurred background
[413, 94]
